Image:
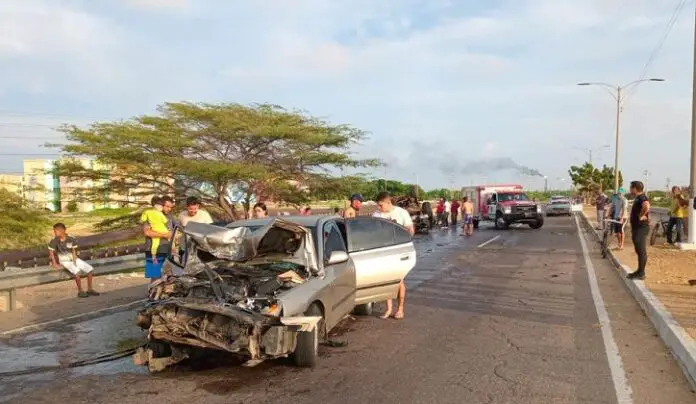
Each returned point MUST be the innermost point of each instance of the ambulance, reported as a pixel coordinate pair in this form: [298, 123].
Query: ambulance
[503, 205]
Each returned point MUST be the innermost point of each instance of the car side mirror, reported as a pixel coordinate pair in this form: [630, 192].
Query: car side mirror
[337, 257]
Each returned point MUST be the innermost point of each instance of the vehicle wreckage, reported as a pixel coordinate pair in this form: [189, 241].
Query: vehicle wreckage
[234, 294]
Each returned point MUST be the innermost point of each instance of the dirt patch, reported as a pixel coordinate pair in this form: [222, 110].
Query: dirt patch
[668, 273]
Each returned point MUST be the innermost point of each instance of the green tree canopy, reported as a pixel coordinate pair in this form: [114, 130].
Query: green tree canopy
[588, 178]
[209, 149]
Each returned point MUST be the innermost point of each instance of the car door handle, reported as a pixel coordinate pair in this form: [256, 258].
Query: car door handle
[405, 258]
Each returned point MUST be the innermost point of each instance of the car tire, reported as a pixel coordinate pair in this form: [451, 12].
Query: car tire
[307, 348]
[363, 309]
[500, 222]
[537, 225]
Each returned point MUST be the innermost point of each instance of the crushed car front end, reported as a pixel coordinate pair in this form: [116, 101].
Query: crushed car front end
[230, 297]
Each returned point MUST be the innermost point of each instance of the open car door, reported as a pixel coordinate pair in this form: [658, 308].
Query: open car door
[383, 254]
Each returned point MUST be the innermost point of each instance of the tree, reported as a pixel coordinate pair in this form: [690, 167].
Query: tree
[211, 150]
[588, 178]
[21, 225]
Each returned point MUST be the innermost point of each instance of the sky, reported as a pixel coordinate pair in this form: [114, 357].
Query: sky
[447, 89]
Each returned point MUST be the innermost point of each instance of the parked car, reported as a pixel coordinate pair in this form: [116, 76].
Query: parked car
[559, 205]
[270, 288]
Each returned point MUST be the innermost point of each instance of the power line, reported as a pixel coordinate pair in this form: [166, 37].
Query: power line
[660, 44]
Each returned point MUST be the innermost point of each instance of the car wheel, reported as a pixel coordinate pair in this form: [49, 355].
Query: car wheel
[307, 348]
[500, 222]
[537, 224]
[363, 309]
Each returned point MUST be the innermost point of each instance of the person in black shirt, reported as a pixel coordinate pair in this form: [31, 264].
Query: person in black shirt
[640, 227]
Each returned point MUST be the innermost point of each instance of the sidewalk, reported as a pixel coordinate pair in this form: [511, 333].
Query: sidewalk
[668, 272]
[39, 304]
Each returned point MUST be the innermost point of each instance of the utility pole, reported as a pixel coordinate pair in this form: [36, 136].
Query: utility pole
[646, 176]
[589, 150]
[616, 93]
[546, 184]
[692, 177]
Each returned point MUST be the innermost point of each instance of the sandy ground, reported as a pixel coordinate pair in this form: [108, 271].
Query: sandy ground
[668, 273]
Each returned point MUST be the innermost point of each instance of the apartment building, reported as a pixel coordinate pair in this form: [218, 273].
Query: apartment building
[40, 186]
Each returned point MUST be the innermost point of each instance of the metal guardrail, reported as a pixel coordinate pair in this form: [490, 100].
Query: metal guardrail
[14, 279]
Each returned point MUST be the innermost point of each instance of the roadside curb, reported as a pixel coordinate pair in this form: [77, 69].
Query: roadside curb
[680, 343]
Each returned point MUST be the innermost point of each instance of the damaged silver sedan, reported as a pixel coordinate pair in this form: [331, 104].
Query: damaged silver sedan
[269, 288]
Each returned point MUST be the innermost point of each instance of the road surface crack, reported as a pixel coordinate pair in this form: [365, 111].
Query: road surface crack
[496, 372]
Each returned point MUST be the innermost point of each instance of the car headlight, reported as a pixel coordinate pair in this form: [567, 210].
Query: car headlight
[507, 210]
[538, 208]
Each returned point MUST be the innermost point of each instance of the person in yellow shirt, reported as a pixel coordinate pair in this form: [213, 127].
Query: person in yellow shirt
[677, 214]
[158, 223]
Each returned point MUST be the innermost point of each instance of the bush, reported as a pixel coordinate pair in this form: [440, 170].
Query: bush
[21, 226]
[72, 206]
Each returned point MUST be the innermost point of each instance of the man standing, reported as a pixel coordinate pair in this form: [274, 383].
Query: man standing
[468, 212]
[454, 209]
[640, 227]
[619, 212]
[356, 201]
[600, 204]
[194, 213]
[676, 217]
[153, 267]
[445, 215]
[387, 210]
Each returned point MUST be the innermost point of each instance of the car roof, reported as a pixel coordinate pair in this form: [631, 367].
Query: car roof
[306, 221]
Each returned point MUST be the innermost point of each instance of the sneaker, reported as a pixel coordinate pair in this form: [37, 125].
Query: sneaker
[82, 294]
[636, 276]
[92, 292]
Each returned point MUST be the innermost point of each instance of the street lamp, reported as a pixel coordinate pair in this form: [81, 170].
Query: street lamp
[617, 92]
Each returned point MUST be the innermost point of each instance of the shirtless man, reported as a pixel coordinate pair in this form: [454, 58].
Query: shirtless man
[356, 201]
[468, 213]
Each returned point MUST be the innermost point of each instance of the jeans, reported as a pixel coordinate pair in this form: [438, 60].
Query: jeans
[600, 219]
[677, 222]
[639, 235]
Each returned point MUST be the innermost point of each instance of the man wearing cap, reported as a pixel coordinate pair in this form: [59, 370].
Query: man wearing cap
[619, 212]
[356, 201]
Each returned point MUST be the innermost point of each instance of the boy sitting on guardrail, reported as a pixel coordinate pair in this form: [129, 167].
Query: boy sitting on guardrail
[63, 252]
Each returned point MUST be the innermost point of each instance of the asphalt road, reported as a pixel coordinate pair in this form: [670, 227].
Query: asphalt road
[513, 321]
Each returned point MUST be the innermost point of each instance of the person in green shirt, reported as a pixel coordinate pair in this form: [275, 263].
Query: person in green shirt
[677, 214]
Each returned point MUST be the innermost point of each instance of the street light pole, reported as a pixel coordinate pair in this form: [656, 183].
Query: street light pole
[616, 93]
[618, 134]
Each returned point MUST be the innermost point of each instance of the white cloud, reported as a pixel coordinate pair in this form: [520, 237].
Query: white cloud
[158, 4]
[492, 81]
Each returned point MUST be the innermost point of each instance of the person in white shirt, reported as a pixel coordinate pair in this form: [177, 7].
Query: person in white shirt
[194, 213]
[445, 215]
[398, 215]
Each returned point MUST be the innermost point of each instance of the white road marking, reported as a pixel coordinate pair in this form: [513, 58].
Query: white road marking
[76, 316]
[621, 387]
[485, 243]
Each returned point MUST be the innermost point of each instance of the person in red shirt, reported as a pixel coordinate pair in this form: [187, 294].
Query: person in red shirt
[454, 211]
[440, 211]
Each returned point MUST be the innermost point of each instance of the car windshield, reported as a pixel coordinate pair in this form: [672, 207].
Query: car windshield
[310, 228]
[512, 197]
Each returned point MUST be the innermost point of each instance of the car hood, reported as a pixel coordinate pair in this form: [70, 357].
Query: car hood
[517, 203]
[279, 240]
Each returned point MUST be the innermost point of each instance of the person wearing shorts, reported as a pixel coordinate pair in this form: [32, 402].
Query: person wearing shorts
[154, 262]
[619, 212]
[62, 250]
[468, 215]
